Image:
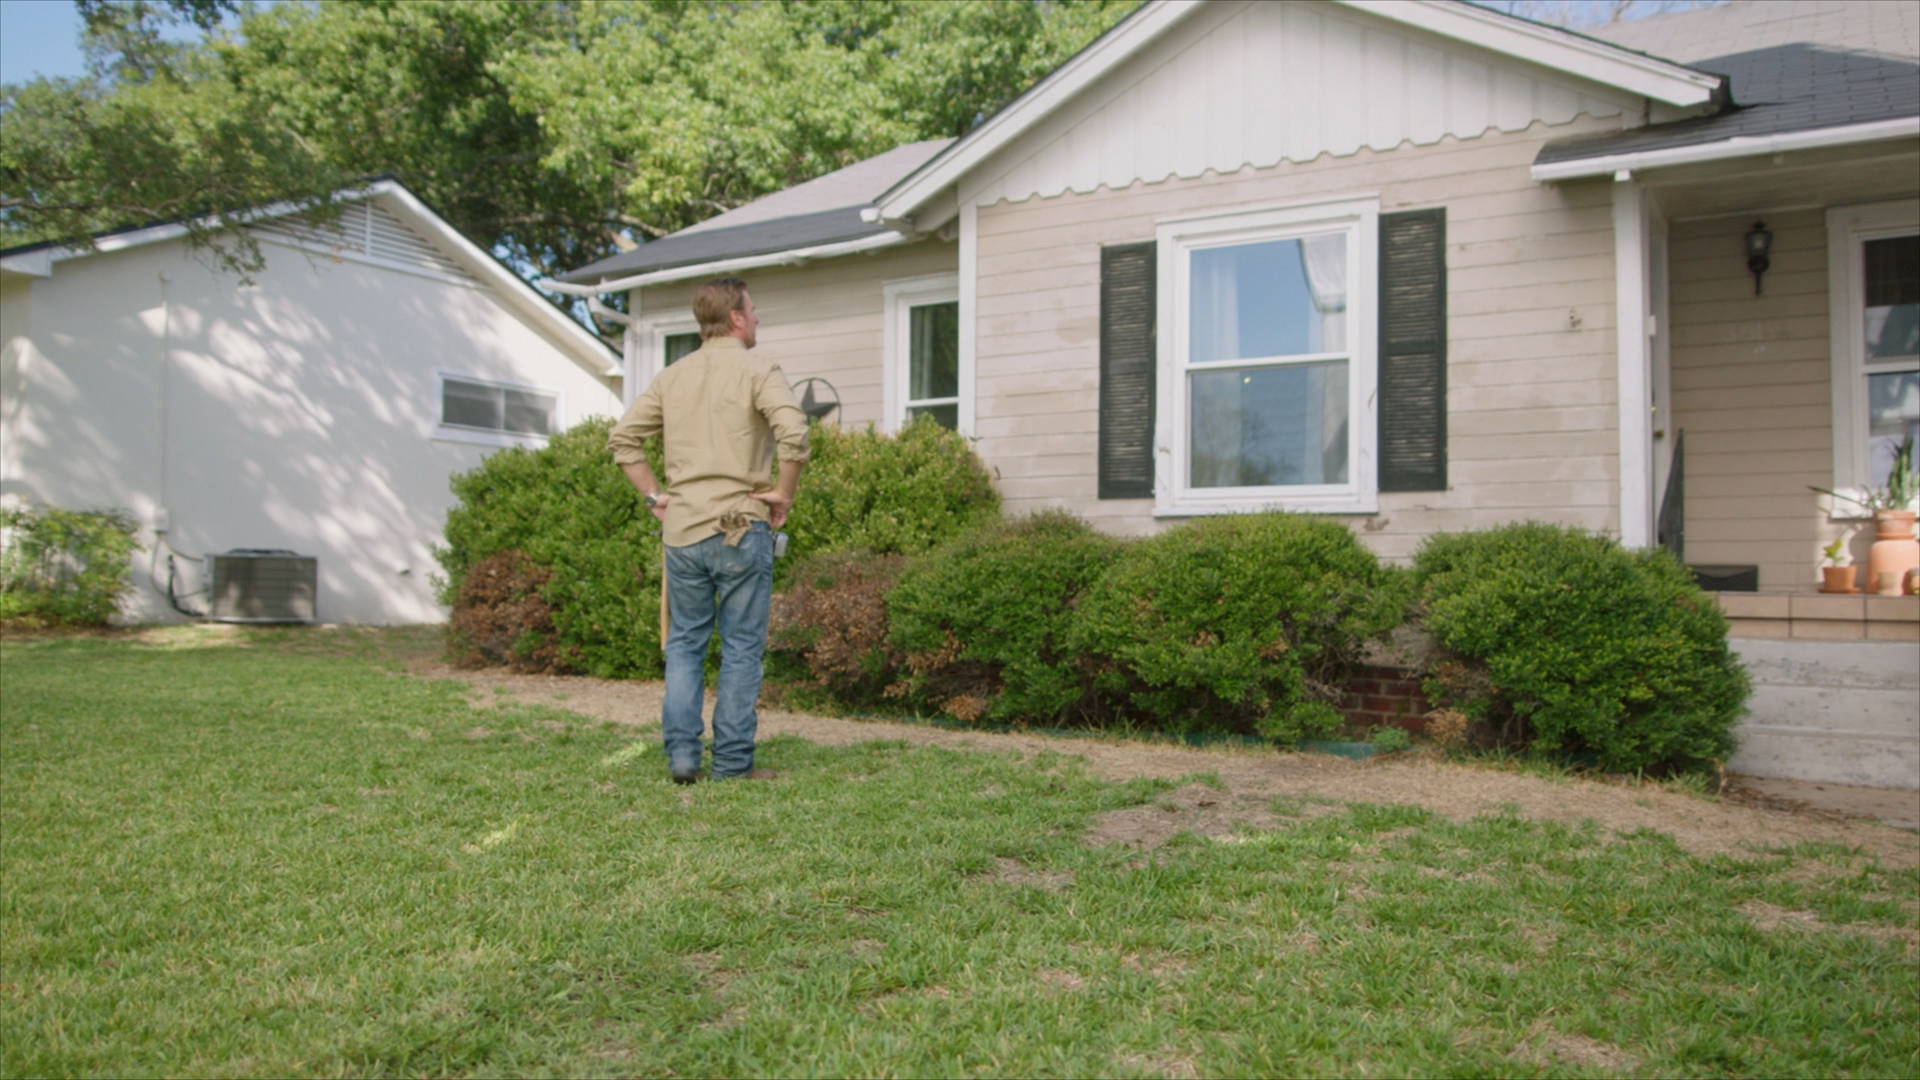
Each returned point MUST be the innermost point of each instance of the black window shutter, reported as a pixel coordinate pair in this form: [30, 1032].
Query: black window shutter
[1128, 372]
[1413, 351]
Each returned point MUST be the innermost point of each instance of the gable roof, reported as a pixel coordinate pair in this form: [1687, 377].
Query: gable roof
[827, 210]
[429, 246]
[923, 200]
[1803, 74]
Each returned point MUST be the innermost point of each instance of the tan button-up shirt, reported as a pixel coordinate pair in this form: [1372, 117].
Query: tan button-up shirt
[723, 413]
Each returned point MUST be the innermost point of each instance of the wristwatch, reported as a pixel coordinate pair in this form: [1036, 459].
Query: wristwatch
[653, 500]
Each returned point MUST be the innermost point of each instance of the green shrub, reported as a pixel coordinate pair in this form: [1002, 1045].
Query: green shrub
[64, 566]
[1239, 623]
[570, 510]
[888, 494]
[983, 620]
[1563, 641]
[829, 626]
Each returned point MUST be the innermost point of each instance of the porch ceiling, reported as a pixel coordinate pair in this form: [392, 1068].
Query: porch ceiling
[1787, 181]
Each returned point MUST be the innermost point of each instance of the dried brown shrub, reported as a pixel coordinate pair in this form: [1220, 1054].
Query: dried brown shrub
[1447, 727]
[501, 619]
[833, 618]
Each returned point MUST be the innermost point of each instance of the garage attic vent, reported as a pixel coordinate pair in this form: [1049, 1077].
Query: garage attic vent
[262, 585]
[368, 232]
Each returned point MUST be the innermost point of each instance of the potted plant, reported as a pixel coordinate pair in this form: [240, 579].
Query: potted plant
[1839, 573]
[1895, 553]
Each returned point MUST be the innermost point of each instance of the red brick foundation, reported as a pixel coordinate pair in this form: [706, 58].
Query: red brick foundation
[1383, 696]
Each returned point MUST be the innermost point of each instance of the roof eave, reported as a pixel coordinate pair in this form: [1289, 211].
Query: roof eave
[586, 350]
[1587, 58]
[732, 264]
[1613, 165]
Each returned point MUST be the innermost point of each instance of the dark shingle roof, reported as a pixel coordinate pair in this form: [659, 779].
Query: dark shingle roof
[823, 210]
[1853, 64]
[708, 245]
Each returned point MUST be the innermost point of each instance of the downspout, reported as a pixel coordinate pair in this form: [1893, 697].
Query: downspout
[162, 514]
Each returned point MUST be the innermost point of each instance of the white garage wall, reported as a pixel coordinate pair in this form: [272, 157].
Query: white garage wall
[298, 411]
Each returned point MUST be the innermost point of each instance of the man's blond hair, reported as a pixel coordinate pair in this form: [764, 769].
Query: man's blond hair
[715, 302]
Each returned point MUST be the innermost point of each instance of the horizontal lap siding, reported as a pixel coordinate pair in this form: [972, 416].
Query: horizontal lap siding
[1751, 390]
[1530, 275]
[827, 319]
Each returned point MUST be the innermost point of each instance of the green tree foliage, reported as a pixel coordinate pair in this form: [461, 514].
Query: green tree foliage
[153, 136]
[1564, 641]
[64, 566]
[550, 131]
[1241, 623]
[680, 111]
[983, 621]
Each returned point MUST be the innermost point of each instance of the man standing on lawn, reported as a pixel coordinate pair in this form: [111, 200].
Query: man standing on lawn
[725, 416]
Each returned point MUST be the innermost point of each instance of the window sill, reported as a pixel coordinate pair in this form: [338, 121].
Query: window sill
[1358, 504]
[487, 438]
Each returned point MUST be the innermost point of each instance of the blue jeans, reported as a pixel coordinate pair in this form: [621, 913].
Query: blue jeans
[710, 581]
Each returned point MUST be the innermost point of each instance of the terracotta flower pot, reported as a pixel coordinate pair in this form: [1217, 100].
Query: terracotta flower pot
[1895, 552]
[1838, 579]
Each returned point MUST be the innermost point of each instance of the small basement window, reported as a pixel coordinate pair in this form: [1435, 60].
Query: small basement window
[495, 413]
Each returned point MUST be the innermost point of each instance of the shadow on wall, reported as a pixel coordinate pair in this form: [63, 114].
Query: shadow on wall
[299, 412]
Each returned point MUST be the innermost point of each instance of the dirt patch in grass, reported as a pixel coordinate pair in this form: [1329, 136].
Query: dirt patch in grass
[1168, 1063]
[1580, 1051]
[1056, 979]
[1769, 918]
[1195, 808]
[1014, 872]
[1455, 791]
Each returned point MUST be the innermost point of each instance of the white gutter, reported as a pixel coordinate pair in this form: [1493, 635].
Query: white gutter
[723, 266]
[1907, 127]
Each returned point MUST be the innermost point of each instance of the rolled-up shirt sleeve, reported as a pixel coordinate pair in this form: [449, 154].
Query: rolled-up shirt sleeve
[641, 422]
[782, 414]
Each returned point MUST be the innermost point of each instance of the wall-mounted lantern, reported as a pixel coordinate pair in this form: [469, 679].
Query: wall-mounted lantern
[1759, 242]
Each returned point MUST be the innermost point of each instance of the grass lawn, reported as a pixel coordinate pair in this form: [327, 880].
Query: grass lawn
[274, 856]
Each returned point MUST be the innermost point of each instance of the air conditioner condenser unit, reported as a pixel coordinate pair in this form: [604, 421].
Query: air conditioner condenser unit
[262, 585]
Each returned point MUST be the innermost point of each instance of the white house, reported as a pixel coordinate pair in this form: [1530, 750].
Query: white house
[321, 409]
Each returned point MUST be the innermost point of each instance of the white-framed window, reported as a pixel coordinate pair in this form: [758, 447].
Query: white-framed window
[489, 412]
[1268, 361]
[664, 338]
[922, 353]
[1873, 254]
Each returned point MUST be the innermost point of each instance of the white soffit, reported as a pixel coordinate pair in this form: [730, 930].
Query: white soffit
[1334, 77]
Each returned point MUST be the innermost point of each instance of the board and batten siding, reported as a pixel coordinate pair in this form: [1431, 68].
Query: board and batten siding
[825, 319]
[1208, 96]
[1531, 413]
[1751, 388]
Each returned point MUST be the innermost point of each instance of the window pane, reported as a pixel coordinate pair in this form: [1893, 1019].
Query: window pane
[947, 416]
[529, 413]
[1893, 297]
[1270, 427]
[934, 337]
[679, 345]
[1893, 413]
[1279, 298]
[470, 405]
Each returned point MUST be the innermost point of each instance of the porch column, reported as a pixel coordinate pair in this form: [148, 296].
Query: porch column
[630, 350]
[1634, 378]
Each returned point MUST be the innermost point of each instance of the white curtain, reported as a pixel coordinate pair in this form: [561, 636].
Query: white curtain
[1215, 308]
[1323, 259]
